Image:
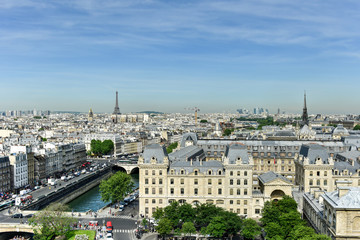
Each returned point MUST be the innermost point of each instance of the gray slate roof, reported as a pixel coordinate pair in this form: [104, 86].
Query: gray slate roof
[235, 151]
[212, 165]
[188, 136]
[314, 151]
[270, 176]
[187, 153]
[156, 151]
[350, 200]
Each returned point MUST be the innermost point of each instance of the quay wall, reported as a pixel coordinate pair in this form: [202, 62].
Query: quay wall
[67, 193]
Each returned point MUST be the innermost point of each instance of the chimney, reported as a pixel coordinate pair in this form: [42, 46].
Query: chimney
[201, 162]
[343, 191]
[318, 193]
[191, 161]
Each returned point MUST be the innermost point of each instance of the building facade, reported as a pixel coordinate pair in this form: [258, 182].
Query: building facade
[5, 185]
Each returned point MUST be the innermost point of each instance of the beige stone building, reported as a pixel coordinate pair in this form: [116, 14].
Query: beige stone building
[188, 176]
[336, 214]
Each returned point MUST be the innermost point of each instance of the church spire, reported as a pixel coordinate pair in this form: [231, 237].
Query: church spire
[305, 118]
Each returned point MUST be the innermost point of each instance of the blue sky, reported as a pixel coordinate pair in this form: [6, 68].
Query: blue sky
[170, 55]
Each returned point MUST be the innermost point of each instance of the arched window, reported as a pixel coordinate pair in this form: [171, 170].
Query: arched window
[318, 182]
[196, 172]
[310, 182]
[209, 172]
[219, 172]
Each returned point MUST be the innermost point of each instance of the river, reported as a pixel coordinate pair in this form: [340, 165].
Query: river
[92, 199]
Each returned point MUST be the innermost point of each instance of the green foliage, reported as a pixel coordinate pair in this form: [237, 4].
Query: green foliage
[99, 148]
[41, 129]
[357, 127]
[217, 227]
[37, 117]
[171, 147]
[51, 222]
[281, 220]
[250, 229]
[71, 234]
[116, 187]
[188, 228]
[44, 139]
[202, 218]
[164, 226]
[203, 121]
[228, 131]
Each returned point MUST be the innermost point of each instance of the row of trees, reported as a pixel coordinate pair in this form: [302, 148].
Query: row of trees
[203, 218]
[281, 220]
[99, 148]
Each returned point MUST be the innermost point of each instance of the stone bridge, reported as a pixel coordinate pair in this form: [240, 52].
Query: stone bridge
[13, 227]
[128, 167]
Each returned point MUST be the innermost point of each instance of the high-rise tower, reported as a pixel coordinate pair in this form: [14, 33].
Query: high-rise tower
[116, 109]
[305, 118]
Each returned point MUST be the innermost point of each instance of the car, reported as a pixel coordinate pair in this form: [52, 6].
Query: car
[29, 215]
[109, 235]
[17, 215]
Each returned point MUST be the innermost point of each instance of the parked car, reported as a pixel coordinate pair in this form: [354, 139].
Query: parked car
[29, 215]
[17, 215]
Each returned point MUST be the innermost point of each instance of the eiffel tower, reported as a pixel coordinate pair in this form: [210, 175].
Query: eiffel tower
[116, 109]
[305, 118]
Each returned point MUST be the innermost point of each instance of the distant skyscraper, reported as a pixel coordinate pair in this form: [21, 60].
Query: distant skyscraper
[116, 109]
[305, 118]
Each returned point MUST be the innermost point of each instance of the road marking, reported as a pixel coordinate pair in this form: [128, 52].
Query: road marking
[124, 230]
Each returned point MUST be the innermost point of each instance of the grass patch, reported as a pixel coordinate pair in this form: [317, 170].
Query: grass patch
[71, 234]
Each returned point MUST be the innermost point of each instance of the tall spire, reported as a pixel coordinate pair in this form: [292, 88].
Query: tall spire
[305, 119]
[116, 109]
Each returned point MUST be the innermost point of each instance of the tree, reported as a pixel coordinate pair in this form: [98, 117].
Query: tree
[300, 231]
[188, 228]
[217, 227]
[204, 213]
[203, 121]
[186, 212]
[227, 132]
[159, 213]
[289, 220]
[250, 229]
[171, 147]
[164, 227]
[357, 127]
[116, 187]
[107, 146]
[274, 231]
[51, 222]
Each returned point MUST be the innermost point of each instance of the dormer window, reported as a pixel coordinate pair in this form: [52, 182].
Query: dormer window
[219, 173]
[196, 172]
[172, 171]
[182, 172]
[239, 158]
[209, 172]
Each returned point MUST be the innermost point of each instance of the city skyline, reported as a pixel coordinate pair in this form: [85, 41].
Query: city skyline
[167, 56]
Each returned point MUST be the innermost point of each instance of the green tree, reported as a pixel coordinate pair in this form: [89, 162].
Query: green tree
[107, 146]
[51, 222]
[217, 227]
[227, 132]
[44, 139]
[250, 229]
[357, 127]
[171, 147]
[158, 214]
[186, 212]
[300, 231]
[289, 220]
[95, 146]
[116, 187]
[188, 228]
[203, 121]
[274, 231]
[204, 213]
[164, 227]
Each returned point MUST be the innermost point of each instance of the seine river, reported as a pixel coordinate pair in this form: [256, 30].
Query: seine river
[92, 199]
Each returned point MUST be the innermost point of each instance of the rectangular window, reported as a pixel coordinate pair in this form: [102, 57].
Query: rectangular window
[153, 172]
[245, 191]
[238, 182]
[195, 181]
[245, 211]
[231, 182]
[257, 211]
[146, 201]
[209, 181]
[160, 172]
[160, 181]
[181, 191]
[231, 201]
[209, 191]
[160, 201]
[171, 181]
[153, 181]
[181, 181]
[171, 191]
[153, 201]
[146, 191]
[160, 191]
[238, 202]
[219, 182]
[146, 181]
[195, 191]
[153, 191]
[146, 172]
[245, 202]
[219, 191]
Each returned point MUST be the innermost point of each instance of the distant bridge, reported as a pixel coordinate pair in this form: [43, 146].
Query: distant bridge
[13, 227]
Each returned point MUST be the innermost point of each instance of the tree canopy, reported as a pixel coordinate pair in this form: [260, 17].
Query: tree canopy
[116, 187]
[250, 229]
[51, 222]
[357, 127]
[99, 148]
[204, 218]
[281, 220]
[171, 147]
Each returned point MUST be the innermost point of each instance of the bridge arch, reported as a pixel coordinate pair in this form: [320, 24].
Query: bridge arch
[135, 170]
[118, 168]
